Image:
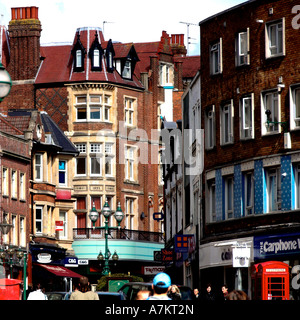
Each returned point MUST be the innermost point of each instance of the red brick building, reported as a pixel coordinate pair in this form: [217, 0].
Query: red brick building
[250, 102]
[101, 93]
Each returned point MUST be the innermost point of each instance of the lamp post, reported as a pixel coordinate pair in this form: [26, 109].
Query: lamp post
[106, 211]
[5, 82]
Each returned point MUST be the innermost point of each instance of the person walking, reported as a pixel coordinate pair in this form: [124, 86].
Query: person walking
[84, 291]
[174, 292]
[37, 294]
[160, 286]
[196, 294]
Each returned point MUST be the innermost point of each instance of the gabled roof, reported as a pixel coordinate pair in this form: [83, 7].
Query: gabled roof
[57, 134]
[18, 121]
[57, 65]
[190, 65]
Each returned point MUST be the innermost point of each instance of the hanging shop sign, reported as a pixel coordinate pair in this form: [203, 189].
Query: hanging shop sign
[185, 243]
[241, 257]
[276, 246]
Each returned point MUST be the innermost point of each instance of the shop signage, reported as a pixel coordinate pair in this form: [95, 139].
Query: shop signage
[59, 226]
[185, 243]
[44, 257]
[71, 262]
[276, 246]
[153, 270]
[167, 255]
[241, 257]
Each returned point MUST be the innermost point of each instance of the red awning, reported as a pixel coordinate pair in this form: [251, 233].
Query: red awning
[60, 271]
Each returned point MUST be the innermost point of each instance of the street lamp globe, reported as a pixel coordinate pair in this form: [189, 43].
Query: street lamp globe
[106, 211]
[5, 82]
[119, 215]
[94, 215]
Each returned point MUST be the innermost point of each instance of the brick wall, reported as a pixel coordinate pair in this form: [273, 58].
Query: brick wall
[260, 75]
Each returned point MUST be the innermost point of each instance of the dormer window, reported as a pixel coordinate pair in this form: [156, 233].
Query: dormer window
[78, 61]
[95, 54]
[78, 53]
[127, 70]
[109, 53]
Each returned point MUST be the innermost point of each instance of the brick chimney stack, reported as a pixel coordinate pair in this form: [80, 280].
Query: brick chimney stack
[24, 33]
[177, 45]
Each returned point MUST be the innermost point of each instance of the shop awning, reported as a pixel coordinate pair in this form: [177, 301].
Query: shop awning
[60, 271]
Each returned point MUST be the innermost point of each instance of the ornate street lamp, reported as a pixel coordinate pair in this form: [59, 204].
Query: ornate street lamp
[5, 82]
[106, 211]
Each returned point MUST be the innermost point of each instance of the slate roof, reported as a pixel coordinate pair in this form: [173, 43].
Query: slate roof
[57, 134]
[17, 121]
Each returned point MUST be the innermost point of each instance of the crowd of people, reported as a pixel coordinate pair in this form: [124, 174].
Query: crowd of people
[162, 287]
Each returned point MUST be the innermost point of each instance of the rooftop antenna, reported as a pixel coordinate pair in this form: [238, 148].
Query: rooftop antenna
[188, 24]
[104, 24]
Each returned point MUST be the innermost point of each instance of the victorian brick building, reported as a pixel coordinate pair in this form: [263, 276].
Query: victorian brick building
[250, 102]
[101, 94]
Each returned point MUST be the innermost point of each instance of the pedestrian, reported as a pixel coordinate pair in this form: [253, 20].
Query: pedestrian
[160, 286]
[225, 292]
[174, 292]
[208, 294]
[37, 294]
[196, 294]
[84, 291]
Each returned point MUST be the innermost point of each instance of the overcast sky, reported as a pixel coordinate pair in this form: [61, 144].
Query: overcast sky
[127, 21]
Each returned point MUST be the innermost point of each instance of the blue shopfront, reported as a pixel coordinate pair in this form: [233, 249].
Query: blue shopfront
[281, 247]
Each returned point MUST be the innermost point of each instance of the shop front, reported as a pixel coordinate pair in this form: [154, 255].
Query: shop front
[49, 267]
[285, 248]
[227, 262]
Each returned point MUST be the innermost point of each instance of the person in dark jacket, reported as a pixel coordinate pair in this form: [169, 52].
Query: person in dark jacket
[208, 294]
[174, 292]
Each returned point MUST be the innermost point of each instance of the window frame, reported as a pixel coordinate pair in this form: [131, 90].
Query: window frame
[273, 172]
[268, 47]
[215, 50]
[250, 129]
[238, 47]
[81, 147]
[210, 127]
[65, 171]
[248, 209]
[265, 129]
[5, 185]
[293, 118]
[36, 220]
[229, 212]
[224, 125]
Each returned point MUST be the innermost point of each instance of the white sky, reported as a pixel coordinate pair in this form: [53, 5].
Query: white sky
[132, 21]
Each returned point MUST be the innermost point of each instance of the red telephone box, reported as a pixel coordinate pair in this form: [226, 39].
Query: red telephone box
[270, 281]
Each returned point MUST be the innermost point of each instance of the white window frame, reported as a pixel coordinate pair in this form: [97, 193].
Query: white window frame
[5, 174]
[275, 116]
[226, 123]
[129, 111]
[229, 212]
[279, 26]
[273, 198]
[63, 216]
[38, 167]
[296, 168]
[81, 105]
[22, 232]
[106, 108]
[129, 163]
[216, 60]
[211, 202]
[65, 171]
[14, 184]
[14, 235]
[294, 120]
[210, 128]
[96, 155]
[22, 186]
[78, 58]
[96, 58]
[40, 221]
[247, 127]
[81, 147]
[243, 42]
[126, 73]
[129, 213]
[95, 105]
[248, 206]
[109, 159]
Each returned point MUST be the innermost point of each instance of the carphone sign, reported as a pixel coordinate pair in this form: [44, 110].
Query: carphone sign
[276, 246]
